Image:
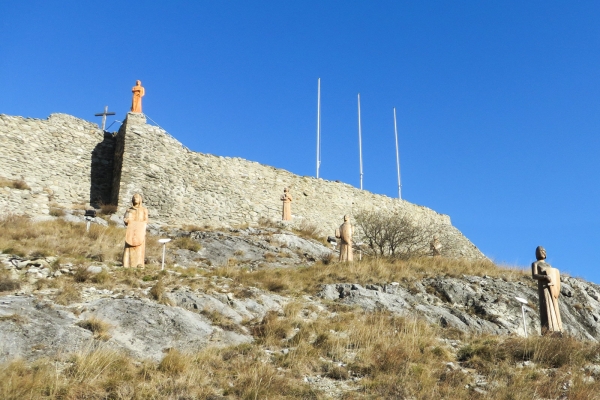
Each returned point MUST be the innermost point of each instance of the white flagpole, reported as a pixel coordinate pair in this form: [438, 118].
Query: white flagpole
[397, 156]
[318, 126]
[360, 144]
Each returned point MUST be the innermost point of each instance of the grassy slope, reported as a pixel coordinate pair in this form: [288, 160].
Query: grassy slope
[375, 355]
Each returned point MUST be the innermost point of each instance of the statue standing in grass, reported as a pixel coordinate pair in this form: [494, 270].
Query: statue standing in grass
[344, 233]
[136, 219]
[287, 205]
[436, 246]
[548, 279]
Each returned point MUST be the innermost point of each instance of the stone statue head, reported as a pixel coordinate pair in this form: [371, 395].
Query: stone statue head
[285, 190]
[138, 83]
[540, 253]
[137, 199]
[346, 218]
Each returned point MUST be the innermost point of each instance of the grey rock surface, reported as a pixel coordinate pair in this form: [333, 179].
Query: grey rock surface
[477, 304]
[258, 248]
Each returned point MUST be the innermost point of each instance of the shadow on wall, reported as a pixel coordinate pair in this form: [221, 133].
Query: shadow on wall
[101, 179]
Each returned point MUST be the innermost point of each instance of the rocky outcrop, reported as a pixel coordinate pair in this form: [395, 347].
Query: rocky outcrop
[477, 304]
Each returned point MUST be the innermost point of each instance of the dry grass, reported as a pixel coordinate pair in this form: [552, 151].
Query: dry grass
[57, 212]
[108, 209]
[309, 230]
[21, 236]
[98, 327]
[158, 292]
[68, 294]
[15, 184]
[7, 284]
[187, 243]
[16, 318]
[391, 356]
[376, 270]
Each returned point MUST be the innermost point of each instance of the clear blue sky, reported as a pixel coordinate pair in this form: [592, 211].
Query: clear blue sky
[497, 101]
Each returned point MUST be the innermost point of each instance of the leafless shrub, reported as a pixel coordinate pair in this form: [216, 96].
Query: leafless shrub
[393, 234]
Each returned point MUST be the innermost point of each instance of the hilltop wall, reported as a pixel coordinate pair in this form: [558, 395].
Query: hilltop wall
[58, 158]
[74, 162]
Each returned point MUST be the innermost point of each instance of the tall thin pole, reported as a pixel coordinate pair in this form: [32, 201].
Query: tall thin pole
[397, 156]
[318, 126]
[360, 144]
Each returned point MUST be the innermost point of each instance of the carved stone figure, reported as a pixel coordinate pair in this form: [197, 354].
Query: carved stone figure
[138, 93]
[436, 246]
[548, 291]
[344, 233]
[287, 205]
[136, 218]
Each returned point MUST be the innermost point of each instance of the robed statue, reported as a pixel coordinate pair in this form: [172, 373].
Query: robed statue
[344, 233]
[548, 280]
[136, 219]
[138, 92]
[286, 198]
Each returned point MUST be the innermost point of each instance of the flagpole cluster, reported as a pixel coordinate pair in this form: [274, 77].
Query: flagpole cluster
[359, 141]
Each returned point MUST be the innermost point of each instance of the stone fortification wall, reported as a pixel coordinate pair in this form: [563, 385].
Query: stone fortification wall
[64, 160]
[68, 161]
[185, 187]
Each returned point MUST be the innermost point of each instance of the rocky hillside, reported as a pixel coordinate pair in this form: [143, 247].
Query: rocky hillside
[278, 293]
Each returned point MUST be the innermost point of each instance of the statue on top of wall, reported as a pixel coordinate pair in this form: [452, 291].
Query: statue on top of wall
[138, 92]
[136, 219]
[344, 233]
[548, 279]
[287, 205]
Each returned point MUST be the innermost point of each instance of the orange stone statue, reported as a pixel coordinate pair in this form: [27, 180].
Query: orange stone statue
[548, 279]
[138, 92]
[136, 218]
[287, 205]
[344, 233]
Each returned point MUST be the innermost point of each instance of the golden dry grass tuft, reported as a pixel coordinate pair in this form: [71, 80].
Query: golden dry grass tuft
[68, 294]
[187, 243]
[14, 183]
[16, 318]
[97, 326]
[374, 270]
[21, 236]
[7, 284]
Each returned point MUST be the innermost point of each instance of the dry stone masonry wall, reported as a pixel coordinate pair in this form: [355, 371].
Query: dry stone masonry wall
[69, 161]
[58, 158]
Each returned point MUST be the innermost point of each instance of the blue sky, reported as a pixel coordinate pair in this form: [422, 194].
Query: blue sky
[497, 102]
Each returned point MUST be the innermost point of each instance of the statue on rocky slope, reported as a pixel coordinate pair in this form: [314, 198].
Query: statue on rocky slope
[548, 291]
[287, 205]
[436, 246]
[138, 92]
[344, 233]
[136, 218]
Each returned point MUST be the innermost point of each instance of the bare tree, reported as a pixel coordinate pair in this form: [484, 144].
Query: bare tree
[394, 234]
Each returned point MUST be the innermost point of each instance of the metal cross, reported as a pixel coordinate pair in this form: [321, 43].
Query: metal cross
[103, 115]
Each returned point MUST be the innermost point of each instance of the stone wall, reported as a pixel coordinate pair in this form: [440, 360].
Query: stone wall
[73, 162]
[184, 187]
[65, 159]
